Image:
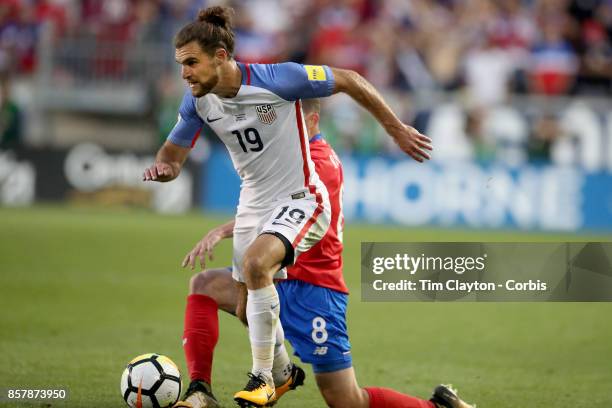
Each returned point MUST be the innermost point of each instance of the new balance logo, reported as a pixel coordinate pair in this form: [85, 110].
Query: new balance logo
[320, 351]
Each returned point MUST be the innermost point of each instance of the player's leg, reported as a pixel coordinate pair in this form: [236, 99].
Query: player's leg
[209, 291]
[291, 228]
[247, 238]
[340, 389]
[262, 260]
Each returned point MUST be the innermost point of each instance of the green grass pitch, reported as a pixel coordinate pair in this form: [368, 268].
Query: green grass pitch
[83, 291]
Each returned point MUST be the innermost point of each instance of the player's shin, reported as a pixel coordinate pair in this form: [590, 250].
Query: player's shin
[281, 368]
[263, 309]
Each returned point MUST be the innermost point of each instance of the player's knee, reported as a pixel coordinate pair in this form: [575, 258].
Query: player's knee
[197, 284]
[255, 268]
[203, 283]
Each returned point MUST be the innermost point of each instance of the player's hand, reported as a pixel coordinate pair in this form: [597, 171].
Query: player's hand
[159, 172]
[203, 248]
[412, 142]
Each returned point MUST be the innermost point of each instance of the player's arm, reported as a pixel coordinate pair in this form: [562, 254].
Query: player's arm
[206, 245]
[168, 163]
[173, 153]
[293, 81]
[410, 140]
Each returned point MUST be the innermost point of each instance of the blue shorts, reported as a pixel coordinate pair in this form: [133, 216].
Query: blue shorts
[314, 320]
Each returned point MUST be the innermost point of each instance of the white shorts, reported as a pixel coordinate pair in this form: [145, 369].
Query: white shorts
[301, 222]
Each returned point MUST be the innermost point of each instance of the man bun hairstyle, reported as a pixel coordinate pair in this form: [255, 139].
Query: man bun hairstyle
[212, 30]
[219, 16]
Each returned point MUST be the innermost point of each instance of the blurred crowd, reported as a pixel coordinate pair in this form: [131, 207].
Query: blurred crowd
[490, 46]
[485, 49]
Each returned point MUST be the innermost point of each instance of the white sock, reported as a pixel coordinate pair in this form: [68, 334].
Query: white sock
[262, 310]
[281, 369]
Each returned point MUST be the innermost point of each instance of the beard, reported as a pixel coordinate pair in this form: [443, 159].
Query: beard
[202, 88]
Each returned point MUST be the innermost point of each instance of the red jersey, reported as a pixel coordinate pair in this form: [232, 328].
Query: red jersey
[322, 264]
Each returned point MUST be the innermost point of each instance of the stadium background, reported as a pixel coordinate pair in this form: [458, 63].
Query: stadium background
[515, 95]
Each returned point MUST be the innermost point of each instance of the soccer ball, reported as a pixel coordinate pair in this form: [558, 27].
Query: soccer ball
[151, 381]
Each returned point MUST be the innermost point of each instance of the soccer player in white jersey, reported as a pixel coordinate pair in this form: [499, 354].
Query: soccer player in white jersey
[283, 209]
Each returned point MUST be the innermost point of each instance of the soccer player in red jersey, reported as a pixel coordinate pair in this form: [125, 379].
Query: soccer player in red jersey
[313, 304]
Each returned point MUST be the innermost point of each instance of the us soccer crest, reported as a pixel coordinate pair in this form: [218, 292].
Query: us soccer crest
[266, 114]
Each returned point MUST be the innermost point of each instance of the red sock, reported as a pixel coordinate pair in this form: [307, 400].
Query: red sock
[200, 336]
[387, 398]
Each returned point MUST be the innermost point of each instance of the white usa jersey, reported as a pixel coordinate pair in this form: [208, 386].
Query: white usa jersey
[264, 131]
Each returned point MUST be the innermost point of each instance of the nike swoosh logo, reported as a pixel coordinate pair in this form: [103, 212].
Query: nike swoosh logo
[209, 120]
[270, 395]
[274, 306]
